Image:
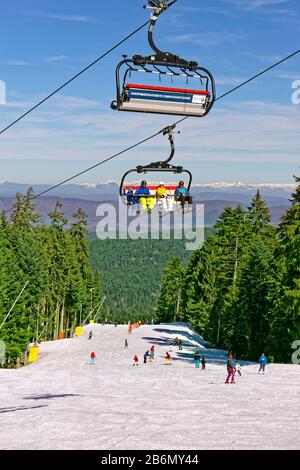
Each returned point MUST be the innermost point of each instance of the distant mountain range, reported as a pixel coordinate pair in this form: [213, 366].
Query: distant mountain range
[215, 197]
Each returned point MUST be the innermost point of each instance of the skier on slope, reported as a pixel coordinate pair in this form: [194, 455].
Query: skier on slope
[126, 344]
[90, 334]
[135, 361]
[230, 370]
[263, 361]
[203, 362]
[145, 356]
[168, 359]
[151, 354]
[197, 359]
[93, 358]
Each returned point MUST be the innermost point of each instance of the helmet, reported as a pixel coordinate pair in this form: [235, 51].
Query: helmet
[161, 183]
[181, 183]
[144, 183]
[130, 190]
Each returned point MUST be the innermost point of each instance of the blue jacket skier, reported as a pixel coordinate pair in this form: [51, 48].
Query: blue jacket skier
[263, 361]
[147, 202]
[131, 200]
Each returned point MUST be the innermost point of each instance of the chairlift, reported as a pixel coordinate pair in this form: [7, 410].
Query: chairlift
[181, 101]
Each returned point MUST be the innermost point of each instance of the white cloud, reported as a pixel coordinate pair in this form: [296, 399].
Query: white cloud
[216, 10]
[17, 62]
[291, 76]
[254, 5]
[206, 39]
[55, 58]
[229, 81]
[61, 17]
[79, 129]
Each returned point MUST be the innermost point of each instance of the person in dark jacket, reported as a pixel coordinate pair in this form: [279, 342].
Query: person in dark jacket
[203, 362]
[145, 356]
[131, 200]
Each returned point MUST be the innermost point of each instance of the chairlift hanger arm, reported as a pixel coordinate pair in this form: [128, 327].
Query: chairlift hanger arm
[158, 7]
[163, 165]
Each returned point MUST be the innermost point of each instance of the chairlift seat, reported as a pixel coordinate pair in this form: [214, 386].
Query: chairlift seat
[152, 189]
[165, 100]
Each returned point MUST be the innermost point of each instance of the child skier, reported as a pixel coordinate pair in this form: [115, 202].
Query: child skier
[151, 355]
[197, 359]
[135, 361]
[262, 363]
[230, 371]
[203, 362]
[168, 359]
[93, 358]
[238, 369]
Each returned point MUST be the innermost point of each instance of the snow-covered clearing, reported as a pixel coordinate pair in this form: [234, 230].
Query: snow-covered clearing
[62, 402]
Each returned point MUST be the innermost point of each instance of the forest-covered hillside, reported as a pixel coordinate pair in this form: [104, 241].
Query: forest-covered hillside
[52, 262]
[131, 272]
[241, 289]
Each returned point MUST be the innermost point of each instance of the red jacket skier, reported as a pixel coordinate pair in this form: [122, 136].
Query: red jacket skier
[135, 361]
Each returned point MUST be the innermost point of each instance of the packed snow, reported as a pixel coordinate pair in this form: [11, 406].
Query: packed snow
[63, 402]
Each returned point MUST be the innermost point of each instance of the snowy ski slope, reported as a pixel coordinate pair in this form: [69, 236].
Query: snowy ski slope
[62, 402]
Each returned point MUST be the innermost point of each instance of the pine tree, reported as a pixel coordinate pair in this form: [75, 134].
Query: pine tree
[259, 213]
[169, 303]
[23, 215]
[55, 260]
[200, 288]
[285, 326]
[253, 307]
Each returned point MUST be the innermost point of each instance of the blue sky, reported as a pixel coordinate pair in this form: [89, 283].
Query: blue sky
[251, 136]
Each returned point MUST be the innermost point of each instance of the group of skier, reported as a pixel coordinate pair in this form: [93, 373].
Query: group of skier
[142, 199]
[233, 365]
[149, 354]
[177, 342]
[197, 360]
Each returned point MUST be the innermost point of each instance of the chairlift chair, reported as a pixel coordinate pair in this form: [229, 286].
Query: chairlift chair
[182, 101]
